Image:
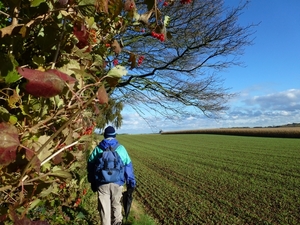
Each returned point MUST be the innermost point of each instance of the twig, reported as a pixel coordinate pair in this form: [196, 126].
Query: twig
[58, 45]
[15, 17]
[5, 14]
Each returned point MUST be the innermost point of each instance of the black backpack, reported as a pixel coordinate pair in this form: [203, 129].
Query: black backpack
[110, 167]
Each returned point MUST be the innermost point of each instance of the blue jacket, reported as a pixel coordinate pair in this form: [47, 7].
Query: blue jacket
[96, 154]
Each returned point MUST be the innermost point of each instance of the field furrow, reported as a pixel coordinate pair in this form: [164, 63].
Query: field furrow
[215, 179]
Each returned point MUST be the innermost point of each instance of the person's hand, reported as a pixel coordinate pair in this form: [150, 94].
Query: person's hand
[94, 187]
[130, 190]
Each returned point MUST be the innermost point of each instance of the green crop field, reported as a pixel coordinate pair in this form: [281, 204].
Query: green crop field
[217, 179]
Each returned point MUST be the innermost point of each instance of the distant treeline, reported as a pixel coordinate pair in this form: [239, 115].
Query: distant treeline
[278, 131]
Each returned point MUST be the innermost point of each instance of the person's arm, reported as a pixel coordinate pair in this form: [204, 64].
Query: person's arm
[91, 164]
[128, 170]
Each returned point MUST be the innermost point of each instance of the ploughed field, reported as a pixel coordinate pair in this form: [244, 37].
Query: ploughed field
[217, 179]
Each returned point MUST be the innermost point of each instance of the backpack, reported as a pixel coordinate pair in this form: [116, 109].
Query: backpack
[111, 167]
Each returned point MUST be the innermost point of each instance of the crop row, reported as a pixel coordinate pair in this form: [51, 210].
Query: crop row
[287, 132]
[215, 179]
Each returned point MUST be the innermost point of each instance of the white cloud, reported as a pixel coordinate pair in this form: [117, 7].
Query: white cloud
[264, 110]
[285, 100]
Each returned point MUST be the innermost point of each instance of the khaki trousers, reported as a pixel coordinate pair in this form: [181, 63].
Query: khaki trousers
[109, 203]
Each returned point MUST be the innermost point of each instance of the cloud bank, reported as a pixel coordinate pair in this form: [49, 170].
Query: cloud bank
[246, 111]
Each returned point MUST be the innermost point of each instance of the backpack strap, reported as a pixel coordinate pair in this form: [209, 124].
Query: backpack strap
[113, 148]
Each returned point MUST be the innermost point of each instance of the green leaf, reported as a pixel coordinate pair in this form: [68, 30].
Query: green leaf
[117, 72]
[35, 3]
[45, 153]
[7, 68]
[166, 20]
[47, 192]
[57, 101]
[13, 120]
[38, 60]
[57, 172]
[80, 215]
[12, 77]
[4, 114]
[46, 167]
[33, 204]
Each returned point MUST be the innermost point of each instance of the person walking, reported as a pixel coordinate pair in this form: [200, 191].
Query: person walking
[110, 189]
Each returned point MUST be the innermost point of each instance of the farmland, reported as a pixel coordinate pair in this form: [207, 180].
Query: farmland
[217, 179]
[283, 132]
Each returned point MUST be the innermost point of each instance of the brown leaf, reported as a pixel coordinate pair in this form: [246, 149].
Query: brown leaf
[58, 158]
[116, 47]
[101, 6]
[9, 139]
[10, 30]
[112, 81]
[144, 18]
[102, 95]
[132, 59]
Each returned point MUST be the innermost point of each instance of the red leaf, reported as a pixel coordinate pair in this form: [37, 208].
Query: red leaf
[25, 220]
[29, 154]
[80, 31]
[9, 139]
[41, 84]
[62, 76]
[58, 158]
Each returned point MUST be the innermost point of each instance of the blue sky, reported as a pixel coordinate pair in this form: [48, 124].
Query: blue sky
[268, 84]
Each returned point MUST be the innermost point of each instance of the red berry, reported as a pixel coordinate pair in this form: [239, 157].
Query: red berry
[115, 62]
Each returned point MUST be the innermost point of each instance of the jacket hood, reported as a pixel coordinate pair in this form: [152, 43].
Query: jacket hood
[105, 143]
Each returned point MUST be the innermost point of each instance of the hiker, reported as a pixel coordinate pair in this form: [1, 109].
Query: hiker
[107, 182]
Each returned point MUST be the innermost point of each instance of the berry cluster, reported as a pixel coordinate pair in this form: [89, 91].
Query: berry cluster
[131, 6]
[185, 1]
[140, 60]
[115, 62]
[88, 131]
[160, 37]
[77, 203]
[62, 185]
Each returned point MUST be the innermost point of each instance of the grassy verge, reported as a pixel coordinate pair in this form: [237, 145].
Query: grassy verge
[137, 214]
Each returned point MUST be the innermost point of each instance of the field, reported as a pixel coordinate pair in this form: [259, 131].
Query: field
[217, 179]
[283, 132]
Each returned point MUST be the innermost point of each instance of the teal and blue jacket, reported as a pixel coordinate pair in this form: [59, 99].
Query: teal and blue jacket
[97, 153]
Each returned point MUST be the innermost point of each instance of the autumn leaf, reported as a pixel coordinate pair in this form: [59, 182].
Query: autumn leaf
[63, 76]
[116, 47]
[9, 139]
[101, 6]
[41, 84]
[102, 95]
[132, 60]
